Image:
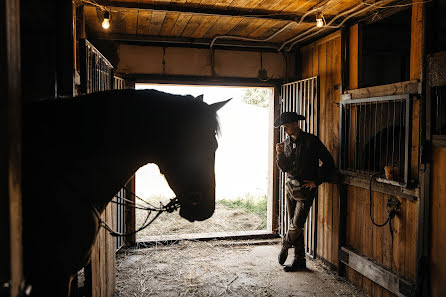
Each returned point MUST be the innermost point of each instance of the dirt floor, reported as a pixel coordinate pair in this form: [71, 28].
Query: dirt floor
[221, 268]
[224, 220]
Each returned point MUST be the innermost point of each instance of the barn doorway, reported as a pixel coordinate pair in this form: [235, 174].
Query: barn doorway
[241, 168]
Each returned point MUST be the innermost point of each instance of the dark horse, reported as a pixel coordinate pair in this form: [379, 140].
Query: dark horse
[77, 154]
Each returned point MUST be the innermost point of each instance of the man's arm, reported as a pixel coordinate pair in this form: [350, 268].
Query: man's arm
[328, 164]
[283, 162]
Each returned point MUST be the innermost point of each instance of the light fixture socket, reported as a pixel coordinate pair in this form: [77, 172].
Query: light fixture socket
[320, 22]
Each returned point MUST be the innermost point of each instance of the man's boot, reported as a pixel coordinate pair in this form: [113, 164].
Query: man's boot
[284, 252]
[299, 261]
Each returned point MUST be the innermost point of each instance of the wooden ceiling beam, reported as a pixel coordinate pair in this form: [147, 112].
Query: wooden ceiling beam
[204, 9]
[175, 41]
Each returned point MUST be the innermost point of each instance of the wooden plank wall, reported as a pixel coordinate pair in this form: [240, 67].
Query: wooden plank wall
[398, 253]
[103, 258]
[438, 224]
[11, 260]
[323, 58]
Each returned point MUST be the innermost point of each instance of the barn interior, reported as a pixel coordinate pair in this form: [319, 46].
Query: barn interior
[369, 75]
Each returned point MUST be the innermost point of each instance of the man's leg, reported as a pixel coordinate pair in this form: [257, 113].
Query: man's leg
[297, 236]
[291, 205]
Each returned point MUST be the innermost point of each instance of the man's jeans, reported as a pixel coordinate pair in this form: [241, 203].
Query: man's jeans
[299, 201]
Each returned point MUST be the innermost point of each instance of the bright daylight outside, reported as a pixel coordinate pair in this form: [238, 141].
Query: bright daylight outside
[241, 166]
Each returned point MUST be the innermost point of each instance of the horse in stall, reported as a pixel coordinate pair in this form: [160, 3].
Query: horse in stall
[78, 153]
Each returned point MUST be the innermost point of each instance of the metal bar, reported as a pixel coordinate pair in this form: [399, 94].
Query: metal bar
[393, 139]
[369, 137]
[407, 151]
[374, 142]
[387, 134]
[373, 99]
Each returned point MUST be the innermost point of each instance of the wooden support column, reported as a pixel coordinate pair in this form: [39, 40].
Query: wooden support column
[273, 175]
[417, 44]
[11, 260]
[354, 56]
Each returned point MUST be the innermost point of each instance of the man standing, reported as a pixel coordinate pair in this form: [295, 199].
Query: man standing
[299, 157]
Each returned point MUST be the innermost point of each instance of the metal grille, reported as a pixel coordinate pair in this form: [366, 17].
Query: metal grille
[119, 222]
[302, 97]
[439, 110]
[97, 75]
[118, 83]
[375, 138]
[96, 70]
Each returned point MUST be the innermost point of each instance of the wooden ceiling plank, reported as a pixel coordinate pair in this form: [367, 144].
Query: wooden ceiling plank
[269, 26]
[222, 3]
[156, 22]
[181, 24]
[290, 33]
[194, 23]
[144, 18]
[252, 4]
[208, 21]
[238, 4]
[222, 26]
[303, 6]
[246, 27]
[169, 23]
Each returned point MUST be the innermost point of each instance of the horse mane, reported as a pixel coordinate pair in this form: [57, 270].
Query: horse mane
[185, 107]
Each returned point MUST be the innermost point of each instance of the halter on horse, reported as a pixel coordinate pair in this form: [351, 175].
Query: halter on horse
[77, 153]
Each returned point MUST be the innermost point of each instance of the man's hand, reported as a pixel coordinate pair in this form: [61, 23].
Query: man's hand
[280, 147]
[309, 184]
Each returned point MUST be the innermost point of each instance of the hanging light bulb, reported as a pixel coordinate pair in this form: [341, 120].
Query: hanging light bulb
[106, 22]
[319, 19]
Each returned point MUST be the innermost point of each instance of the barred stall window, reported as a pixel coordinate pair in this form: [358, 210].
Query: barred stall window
[375, 138]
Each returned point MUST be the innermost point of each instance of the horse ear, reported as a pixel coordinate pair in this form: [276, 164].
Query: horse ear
[216, 106]
[199, 97]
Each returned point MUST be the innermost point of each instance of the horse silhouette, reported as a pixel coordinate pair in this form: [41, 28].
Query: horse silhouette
[78, 153]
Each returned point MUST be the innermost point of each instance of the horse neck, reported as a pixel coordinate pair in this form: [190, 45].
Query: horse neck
[127, 148]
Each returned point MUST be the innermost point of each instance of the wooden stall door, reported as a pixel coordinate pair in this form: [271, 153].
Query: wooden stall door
[437, 104]
[302, 97]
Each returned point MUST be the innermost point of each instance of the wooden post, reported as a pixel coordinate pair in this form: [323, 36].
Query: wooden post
[417, 44]
[11, 262]
[354, 56]
[273, 175]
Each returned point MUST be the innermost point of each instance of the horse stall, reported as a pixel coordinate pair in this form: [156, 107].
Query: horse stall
[368, 75]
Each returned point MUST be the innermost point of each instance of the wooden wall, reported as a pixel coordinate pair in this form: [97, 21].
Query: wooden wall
[323, 58]
[397, 254]
[11, 261]
[103, 258]
[438, 224]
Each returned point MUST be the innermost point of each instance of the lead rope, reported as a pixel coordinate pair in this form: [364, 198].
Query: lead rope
[390, 214]
[170, 207]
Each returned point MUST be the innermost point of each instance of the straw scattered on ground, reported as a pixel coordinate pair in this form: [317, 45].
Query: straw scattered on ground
[220, 268]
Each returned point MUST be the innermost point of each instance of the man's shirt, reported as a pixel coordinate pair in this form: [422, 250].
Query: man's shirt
[301, 158]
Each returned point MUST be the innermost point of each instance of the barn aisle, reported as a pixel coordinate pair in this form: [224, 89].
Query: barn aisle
[221, 268]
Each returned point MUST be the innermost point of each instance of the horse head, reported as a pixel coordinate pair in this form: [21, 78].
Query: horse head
[188, 162]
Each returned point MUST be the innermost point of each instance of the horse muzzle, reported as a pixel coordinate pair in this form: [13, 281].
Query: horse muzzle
[194, 208]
